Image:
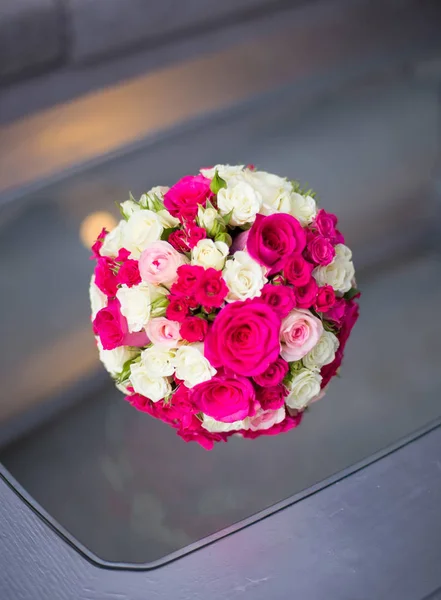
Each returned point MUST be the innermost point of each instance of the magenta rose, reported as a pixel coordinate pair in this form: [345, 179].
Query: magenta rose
[96, 248]
[272, 398]
[112, 329]
[105, 277]
[244, 338]
[195, 234]
[182, 200]
[274, 374]
[178, 239]
[194, 329]
[336, 313]
[350, 318]
[306, 294]
[225, 398]
[297, 270]
[321, 250]
[203, 437]
[281, 298]
[212, 289]
[128, 273]
[325, 223]
[273, 239]
[325, 299]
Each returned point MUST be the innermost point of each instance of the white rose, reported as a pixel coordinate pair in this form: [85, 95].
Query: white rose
[339, 273]
[244, 277]
[192, 366]
[166, 219]
[208, 254]
[323, 352]
[129, 207]
[240, 199]
[275, 191]
[158, 361]
[113, 360]
[224, 171]
[303, 208]
[142, 228]
[214, 426]
[114, 240]
[98, 300]
[304, 387]
[135, 305]
[154, 388]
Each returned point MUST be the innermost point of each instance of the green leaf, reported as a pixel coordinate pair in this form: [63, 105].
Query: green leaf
[125, 373]
[227, 218]
[327, 326]
[295, 366]
[167, 232]
[302, 190]
[217, 183]
[118, 206]
[351, 294]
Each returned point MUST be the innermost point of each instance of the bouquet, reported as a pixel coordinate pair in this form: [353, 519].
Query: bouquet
[222, 305]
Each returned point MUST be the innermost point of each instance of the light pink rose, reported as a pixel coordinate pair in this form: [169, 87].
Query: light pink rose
[299, 333]
[164, 332]
[265, 419]
[159, 263]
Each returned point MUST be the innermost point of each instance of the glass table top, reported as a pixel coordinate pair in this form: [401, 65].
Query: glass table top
[125, 486]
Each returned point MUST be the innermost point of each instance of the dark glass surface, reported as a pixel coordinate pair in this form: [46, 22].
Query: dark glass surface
[124, 485]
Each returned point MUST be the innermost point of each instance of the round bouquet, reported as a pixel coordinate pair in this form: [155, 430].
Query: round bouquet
[222, 305]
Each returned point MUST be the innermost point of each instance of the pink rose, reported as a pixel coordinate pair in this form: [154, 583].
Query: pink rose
[290, 422]
[194, 329]
[128, 273]
[265, 419]
[321, 250]
[306, 294]
[299, 333]
[105, 277]
[274, 374]
[159, 263]
[297, 270]
[225, 398]
[163, 332]
[244, 338]
[178, 309]
[273, 239]
[182, 200]
[325, 299]
[212, 289]
[281, 298]
[272, 398]
[112, 329]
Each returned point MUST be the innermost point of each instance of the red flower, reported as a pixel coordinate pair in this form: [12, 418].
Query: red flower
[189, 278]
[112, 329]
[195, 234]
[281, 298]
[274, 374]
[178, 309]
[212, 289]
[128, 273]
[272, 398]
[320, 250]
[194, 329]
[178, 239]
[105, 277]
[325, 299]
[98, 243]
[306, 294]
